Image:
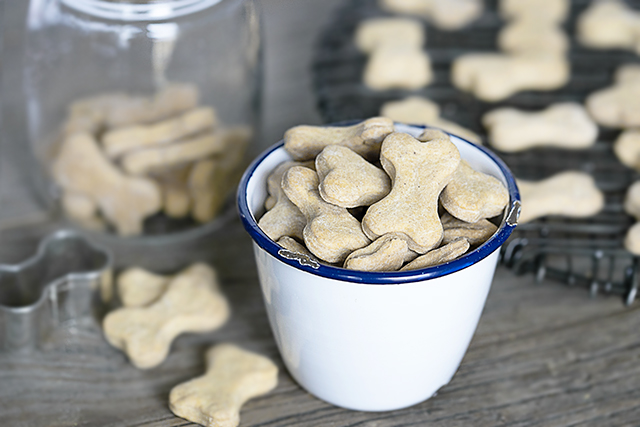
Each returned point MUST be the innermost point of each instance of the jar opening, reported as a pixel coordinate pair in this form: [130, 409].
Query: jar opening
[139, 10]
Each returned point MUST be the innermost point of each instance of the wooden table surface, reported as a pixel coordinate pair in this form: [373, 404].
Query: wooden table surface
[543, 355]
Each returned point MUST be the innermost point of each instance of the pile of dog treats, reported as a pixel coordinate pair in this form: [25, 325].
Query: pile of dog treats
[366, 197]
[156, 310]
[122, 158]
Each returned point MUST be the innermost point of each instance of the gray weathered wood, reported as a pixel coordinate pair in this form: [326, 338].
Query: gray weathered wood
[543, 355]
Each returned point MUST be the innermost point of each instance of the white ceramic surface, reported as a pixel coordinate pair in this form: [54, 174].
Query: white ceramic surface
[372, 341]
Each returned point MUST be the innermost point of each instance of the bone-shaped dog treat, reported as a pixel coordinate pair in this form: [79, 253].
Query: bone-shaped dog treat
[472, 196]
[284, 218]
[211, 180]
[165, 157]
[331, 232]
[89, 115]
[608, 25]
[387, 253]
[571, 194]
[544, 11]
[125, 201]
[365, 138]
[564, 125]
[371, 34]
[492, 77]
[443, 254]
[475, 233]
[120, 141]
[529, 34]
[398, 67]
[348, 180]
[632, 200]
[83, 210]
[627, 73]
[169, 101]
[632, 239]
[208, 188]
[618, 105]
[419, 172]
[138, 287]
[627, 148]
[192, 303]
[233, 377]
[176, 201]
[292, 245]
[421, 111]
[444, 14]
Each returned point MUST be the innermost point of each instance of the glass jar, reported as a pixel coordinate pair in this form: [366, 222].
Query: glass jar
[140, 112]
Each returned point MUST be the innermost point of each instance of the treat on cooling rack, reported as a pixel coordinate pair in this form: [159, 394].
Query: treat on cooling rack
[632, 207]
[476, 233]
[609, 24]
[422, 111]
[445, 253]
[616, 106]
[348, 180]
[493, 77]
[283, 218]
[530, 34]
[542, 10]
[570, 194]
[632, 200]
[472, 195]
[627, 73]
[398, 67]
[387, 253]
[233, 376]
[632, 239]
[627, 148]
[330, 233]
[562, 125]
[192, 302]
[365, 138]
[374, 33]
[419, 172]
[444, 14]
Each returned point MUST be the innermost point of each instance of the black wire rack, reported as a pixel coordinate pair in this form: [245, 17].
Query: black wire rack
[586, 253]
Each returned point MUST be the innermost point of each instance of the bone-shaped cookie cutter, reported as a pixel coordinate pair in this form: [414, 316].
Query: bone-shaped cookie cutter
[53, 288]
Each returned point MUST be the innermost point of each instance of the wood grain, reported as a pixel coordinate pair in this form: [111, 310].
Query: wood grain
[543, 355]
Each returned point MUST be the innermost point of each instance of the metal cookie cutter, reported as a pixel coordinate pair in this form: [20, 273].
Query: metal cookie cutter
[52, 289]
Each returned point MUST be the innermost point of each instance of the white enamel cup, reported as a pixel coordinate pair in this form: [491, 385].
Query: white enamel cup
[373, 341]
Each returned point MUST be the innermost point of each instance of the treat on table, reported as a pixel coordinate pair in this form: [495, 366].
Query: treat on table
[562, 125]
[571, 194]
[233, 377]
[493, 77]
[444, 14]
[400, 217]
[145, 155]
[192, 302]
[422, 111]
[609, 24]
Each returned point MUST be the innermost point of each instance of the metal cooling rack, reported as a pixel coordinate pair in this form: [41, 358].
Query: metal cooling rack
[586, 253]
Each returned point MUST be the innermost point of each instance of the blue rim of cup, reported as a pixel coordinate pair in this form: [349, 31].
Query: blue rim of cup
[507, 226]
